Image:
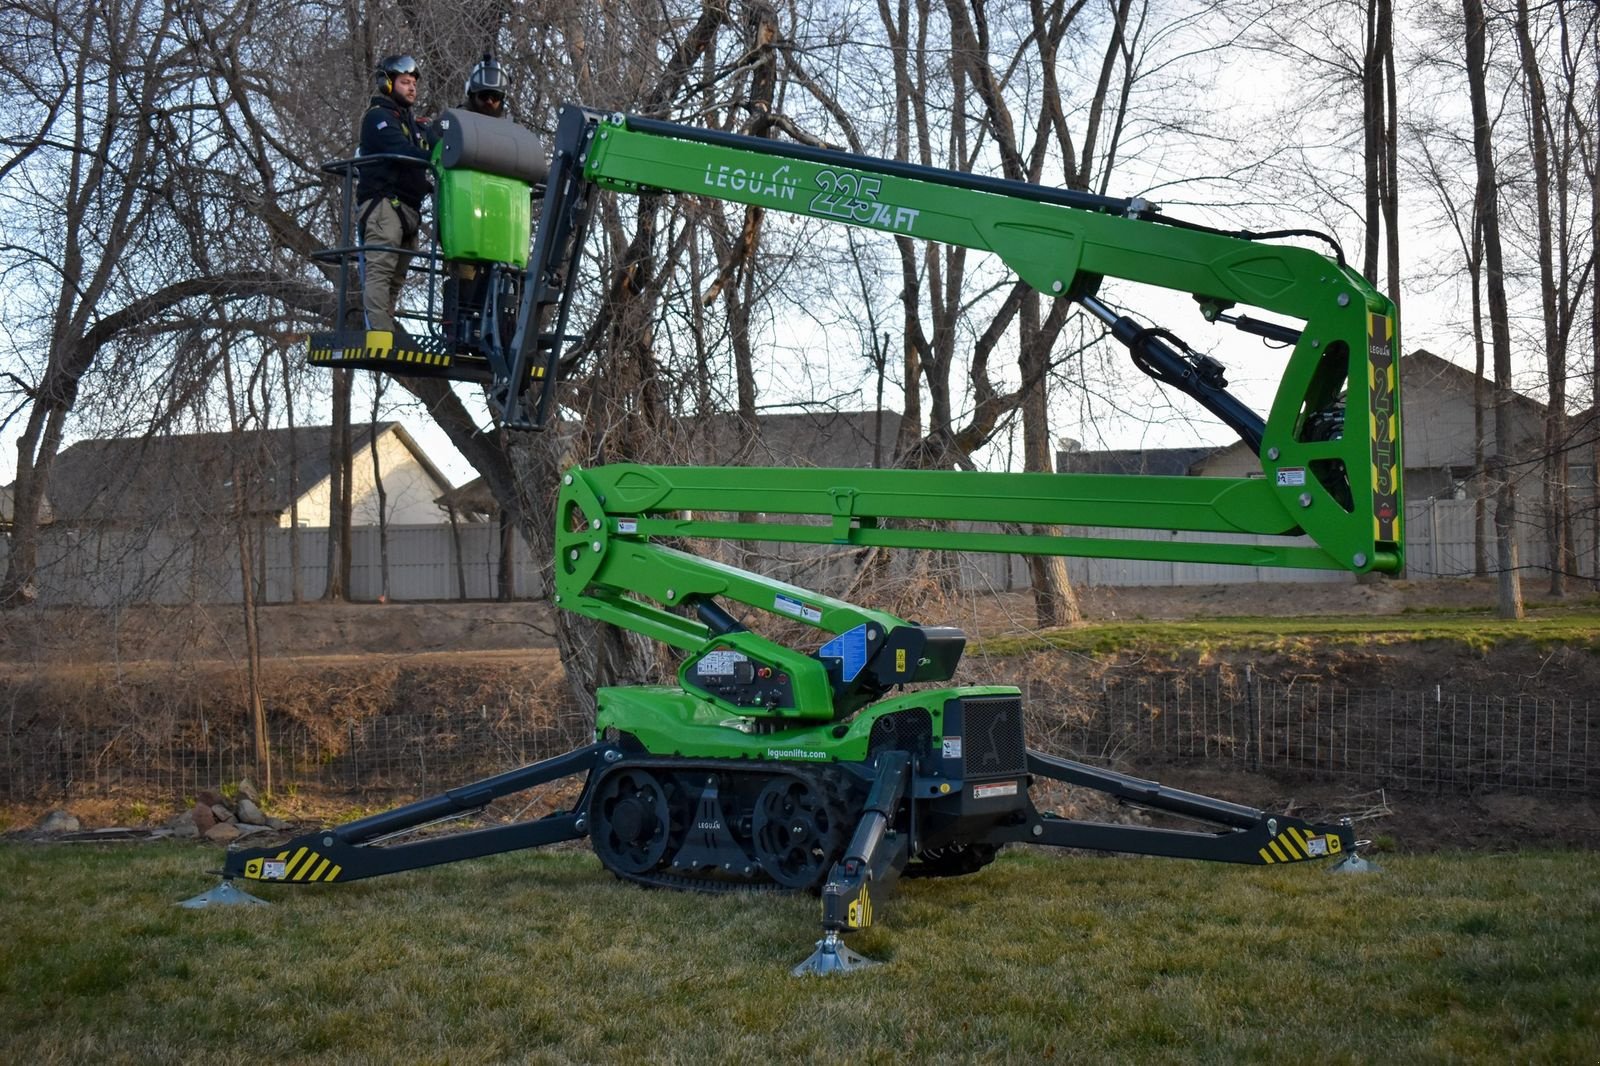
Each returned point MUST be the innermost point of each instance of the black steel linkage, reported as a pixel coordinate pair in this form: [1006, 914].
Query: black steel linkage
[874, 854]
[833, 157]
[1199, 376]
[1250, 836]
[551, 277]
[1146, 793]
[472, 796]
[1272, 331]
[348, 852]
[1275, 839]
[304, 857]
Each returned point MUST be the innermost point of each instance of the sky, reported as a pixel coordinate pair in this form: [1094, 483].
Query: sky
[1129, 412]
[1149, 416]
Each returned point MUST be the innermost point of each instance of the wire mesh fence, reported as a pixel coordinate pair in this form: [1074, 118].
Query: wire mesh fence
[392, 755]
[1428, 740]
[1431, 740]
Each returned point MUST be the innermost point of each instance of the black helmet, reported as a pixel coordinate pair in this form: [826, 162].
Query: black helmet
[487, 77]
[390, 68]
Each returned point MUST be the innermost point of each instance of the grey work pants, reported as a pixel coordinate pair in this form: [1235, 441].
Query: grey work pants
[388, 222]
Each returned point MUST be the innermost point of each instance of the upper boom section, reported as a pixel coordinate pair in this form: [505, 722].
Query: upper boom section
[1329, 447]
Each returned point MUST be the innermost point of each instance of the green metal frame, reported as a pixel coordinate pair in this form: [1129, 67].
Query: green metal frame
[1329, 498]
[1326, 499]
[1347, 344]
[1328, 495]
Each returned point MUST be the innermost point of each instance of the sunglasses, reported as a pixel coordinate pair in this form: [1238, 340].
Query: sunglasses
[489, 98]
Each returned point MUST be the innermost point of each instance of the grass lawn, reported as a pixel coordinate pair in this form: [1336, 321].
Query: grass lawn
[1040, 957]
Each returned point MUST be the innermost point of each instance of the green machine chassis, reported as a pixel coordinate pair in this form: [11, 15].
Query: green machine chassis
[838, 769]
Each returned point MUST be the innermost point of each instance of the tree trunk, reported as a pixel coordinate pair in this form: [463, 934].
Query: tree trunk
[1488, 207]
[506, 577]
[334, 587]
[1555, 425]
[347, 510]
[296, 580]
[1480, 463]
[1055, 602]
[1592, 164]
[1391, 156]
[460, 555]
[383, 500]
[261, 746]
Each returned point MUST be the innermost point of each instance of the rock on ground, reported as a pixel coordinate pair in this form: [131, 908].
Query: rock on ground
[223, 832]
[59, 821]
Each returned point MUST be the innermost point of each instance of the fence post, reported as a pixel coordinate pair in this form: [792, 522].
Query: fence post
[1252, 741]
[1433, 535]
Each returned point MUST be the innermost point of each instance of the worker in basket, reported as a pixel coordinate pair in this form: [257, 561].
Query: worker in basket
[389, 192]
[484, 94]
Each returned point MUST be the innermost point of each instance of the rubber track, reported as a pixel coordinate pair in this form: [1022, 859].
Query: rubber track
[814, 775]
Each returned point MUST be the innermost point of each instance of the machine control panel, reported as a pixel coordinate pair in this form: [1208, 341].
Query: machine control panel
[740, 679]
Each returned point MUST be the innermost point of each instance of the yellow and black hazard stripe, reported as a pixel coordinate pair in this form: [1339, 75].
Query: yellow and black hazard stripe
[1383, 401]
[379, 348]
[1296, 845]
[859, 913]
[305, 865]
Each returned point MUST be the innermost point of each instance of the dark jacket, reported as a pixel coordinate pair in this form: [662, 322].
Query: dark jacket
[389, 129]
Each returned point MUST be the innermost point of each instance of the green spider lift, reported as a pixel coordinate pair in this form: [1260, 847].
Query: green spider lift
[837, 768]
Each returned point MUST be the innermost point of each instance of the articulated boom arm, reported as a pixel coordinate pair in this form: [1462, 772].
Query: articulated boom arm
[1326, 496]
[770, 767]
[1329, 497]
[1329, 447]
[611, 565]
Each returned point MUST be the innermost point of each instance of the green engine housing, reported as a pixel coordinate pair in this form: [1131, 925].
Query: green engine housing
[483, 217]
[939, 723]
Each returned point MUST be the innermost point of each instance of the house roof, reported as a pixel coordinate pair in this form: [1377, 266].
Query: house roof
[8, 496]
[1170, 461]
[805, 438]
[1422, 369]
[808, 438]
[181, 477]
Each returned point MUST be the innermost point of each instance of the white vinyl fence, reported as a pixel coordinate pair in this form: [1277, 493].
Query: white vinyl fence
[120, 567]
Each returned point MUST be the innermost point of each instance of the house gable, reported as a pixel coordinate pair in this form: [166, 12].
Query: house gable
[1436, 403]
[411, 485]
[202, 479]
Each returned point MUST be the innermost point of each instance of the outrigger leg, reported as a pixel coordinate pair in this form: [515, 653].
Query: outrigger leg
[875, 857]
[352, 851]
[1246, 835]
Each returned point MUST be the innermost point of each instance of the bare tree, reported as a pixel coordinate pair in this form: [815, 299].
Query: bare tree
[102, 186]
[1586, 115]
[1554, 83]
[1488, 210]
[381, 494]
[244, 468]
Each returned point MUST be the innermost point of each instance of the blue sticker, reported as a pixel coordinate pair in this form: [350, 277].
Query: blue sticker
[850, 649]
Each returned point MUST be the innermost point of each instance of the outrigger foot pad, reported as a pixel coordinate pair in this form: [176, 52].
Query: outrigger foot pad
[1352, 863]
[224, 895]
[832, 956]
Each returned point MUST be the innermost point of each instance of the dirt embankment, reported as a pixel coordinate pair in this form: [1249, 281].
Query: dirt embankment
[97, 666]
[67, 637]
[333, 663]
